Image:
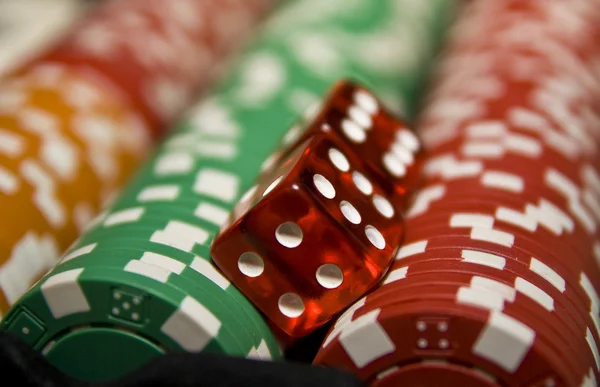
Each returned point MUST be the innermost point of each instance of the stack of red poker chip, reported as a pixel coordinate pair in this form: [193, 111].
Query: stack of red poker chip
[159, 52]
[498, 278]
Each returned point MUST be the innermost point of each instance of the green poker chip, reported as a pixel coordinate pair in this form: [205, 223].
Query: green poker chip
[172, 230]
[197, 268]
[63, 312]
[166, 269]
[203, 213]
[177, 273]
[148, 236]
[141, 238]
[199, 252]
[136, 240]
[196, 176]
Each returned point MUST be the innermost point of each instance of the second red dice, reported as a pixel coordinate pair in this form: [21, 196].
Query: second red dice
[311, 237]
[390, 151]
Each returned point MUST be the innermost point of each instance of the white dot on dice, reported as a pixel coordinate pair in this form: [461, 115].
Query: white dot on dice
[383, 206]
[403, 154]
[339, 160]
[366, 101]
[409, 140]
[289, 234]
[375, 237]
[251, 264]
[393, 165]
[350, 212]
[330, 276]
[353, 131]
[324, 186]
[362, 183]
[361, 117]
[291, 305]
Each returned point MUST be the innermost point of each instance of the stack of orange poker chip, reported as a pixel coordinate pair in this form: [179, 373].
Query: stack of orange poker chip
[67, 142]
[77, 121]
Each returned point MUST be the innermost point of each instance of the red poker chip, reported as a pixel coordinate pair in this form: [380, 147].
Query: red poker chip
[422, 273]
[531, 299]
[434, 372]
[505, 28]
[551, 216]
[489, 264]
[517, 69]
[118, 59]
[555, 272]
[452, 260]
[540, 139]
[465, 327]
[527, 117]
[551, 274]
[493, 236]
[538, 172]
[541, 220]
[500, 186]
[556, 346]
[503, 188]
[420, 330]
[517, 63]
[521, 154]
[510, 96]
[508, 9]
[502, 235]
[523, 309]
[487, 44]
[501, 241]
[514, 220]
[505, 32]
[158, 52]
[581, 354]
[526, 215]
[509, 55]
[541, 216]
[541, 144]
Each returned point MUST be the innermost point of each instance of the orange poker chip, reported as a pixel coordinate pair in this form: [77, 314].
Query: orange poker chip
[72, 141]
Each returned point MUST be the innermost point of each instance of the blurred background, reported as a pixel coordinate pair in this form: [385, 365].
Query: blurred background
[28, 26]
[130, 135]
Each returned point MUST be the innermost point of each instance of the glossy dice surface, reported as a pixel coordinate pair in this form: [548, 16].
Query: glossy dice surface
[311, 237]
[389, 149]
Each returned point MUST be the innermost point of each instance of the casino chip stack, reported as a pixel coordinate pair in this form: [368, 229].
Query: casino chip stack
[73, 125]
[140, 281]
[498, 279]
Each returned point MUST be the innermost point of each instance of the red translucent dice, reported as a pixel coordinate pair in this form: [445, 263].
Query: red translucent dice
[322, 224]
[317, 234]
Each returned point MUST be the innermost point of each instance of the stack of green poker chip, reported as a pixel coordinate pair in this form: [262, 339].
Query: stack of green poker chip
[140, 281]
